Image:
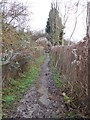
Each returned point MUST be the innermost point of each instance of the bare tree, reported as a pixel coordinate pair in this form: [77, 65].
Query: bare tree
[14, 23]
[14, 14]
[68, 8]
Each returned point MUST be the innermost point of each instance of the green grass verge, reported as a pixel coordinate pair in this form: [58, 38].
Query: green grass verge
[17, 88]
[60, 85]
[56, 75]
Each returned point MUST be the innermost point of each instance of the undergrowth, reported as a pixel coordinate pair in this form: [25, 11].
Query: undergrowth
[56, 75]
[60, 85]
[17, 88]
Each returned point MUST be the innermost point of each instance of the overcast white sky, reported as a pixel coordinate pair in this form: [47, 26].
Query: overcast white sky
[40, 11]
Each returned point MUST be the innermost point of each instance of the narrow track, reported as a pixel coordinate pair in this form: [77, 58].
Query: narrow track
[43, 100]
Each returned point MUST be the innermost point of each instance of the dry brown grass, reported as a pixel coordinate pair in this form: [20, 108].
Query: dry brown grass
[72, 63]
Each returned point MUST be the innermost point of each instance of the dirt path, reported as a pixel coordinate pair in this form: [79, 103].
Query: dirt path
[43, 100]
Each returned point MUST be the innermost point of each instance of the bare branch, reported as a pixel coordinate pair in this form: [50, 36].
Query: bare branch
[76, 17]
[12, 12]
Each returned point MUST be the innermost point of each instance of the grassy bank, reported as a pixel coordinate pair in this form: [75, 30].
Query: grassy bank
[17, 88]
[60, 84]
[56, 75]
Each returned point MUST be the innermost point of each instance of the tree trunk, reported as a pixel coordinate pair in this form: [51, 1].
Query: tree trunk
[88, 36]
[88, 20]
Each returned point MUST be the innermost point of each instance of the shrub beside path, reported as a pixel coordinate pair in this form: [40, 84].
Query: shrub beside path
[43, 99]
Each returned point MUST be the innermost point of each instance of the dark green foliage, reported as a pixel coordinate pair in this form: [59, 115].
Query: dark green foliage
[48, 26]
[54, 26]
[60, 37]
